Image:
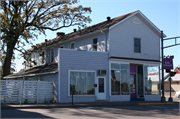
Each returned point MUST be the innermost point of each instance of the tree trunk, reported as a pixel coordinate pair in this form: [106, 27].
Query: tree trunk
[7, 61]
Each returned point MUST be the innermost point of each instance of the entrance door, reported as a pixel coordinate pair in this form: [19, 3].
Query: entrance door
[101, 88]
[133, 85]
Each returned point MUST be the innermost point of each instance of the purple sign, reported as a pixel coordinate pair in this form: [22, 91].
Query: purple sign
[168, 63]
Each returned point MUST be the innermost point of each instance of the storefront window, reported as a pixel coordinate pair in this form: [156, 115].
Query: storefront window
[82, 83]
[119, 79]
[90, 83]
[74, 79]
[151, 78]
[124, 79]
[115, 79]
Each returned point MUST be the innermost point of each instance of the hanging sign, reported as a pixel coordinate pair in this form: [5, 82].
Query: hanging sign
[168, 62]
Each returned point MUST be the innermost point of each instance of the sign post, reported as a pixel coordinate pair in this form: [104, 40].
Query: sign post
[162, 62]
[162, 68]
[72, 89]
[168, 65]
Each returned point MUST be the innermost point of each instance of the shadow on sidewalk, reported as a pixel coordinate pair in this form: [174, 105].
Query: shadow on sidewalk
[15, 113]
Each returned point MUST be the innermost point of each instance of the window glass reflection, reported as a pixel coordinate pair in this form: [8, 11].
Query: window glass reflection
[115, 79]
[90, 83]
[124, 82]
[151, 77]
[82, 82]
[119, 79]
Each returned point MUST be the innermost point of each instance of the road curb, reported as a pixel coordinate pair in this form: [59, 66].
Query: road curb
[173, 103]
[65, 106]
[82, 105]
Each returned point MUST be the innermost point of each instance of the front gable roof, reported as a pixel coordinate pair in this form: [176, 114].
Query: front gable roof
[144, 19]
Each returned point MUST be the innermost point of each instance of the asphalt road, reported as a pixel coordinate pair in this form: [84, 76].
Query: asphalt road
[116, 112]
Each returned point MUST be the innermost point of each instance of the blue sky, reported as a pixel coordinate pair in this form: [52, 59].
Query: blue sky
[163, 13]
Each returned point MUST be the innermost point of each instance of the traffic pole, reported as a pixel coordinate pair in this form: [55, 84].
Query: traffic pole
[162, 68]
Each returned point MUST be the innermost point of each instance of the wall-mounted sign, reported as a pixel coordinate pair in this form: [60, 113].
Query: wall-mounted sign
[168, 63]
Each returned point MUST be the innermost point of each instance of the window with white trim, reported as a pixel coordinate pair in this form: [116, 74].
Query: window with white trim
[82, 83]
[72, 46]
[43, 58]
[152, 80]
[137, 45]
[52, 55]
[119, 79]
[35, 57]
[95, 44]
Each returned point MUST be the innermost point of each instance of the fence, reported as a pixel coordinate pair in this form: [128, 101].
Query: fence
[14, 91]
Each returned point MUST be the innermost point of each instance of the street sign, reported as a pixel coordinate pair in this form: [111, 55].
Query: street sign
[168, 63]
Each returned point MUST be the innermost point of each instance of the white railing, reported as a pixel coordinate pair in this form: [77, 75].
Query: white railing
[14, 91]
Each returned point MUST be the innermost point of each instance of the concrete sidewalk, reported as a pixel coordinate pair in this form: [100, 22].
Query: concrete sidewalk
[89, 104]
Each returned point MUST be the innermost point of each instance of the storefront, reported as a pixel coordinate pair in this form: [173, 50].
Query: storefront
[134, 80]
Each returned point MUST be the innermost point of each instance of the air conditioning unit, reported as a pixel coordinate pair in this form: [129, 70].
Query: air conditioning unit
[101, 72]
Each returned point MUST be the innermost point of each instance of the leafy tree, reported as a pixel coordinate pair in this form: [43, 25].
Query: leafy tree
[21, 21]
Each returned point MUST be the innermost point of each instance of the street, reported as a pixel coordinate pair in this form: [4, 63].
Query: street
[115, 112]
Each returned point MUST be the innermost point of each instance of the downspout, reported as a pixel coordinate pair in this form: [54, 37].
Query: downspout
[59, 76]
[105, 40]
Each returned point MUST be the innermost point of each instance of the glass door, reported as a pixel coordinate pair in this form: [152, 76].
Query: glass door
[101, 95]
[133, 85]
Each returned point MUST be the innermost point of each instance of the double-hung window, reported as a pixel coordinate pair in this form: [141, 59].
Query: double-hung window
[43, 58]
[72, 45]
[52, 55]
[95, 44]
[137, 45]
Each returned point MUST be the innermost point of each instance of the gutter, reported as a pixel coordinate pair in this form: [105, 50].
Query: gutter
[11, 77]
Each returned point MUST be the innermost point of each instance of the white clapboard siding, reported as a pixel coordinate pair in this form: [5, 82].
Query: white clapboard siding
[14, 91]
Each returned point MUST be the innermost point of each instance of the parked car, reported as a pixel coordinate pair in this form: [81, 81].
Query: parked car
[177, 94]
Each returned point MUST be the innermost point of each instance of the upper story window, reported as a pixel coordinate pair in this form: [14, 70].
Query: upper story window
[35, 57]
[95, 44]
[43, 57]
[32, 56]
[72, 46]
[137, 45]
[52, 55]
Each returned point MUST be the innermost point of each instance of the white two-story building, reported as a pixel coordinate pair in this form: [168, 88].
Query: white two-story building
[110, 61]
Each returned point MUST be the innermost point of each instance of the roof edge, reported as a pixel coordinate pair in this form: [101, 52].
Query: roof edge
[123, 20]
[10, 77]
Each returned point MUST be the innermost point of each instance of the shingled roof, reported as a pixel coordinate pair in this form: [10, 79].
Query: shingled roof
[99, 26]
[35, 70]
